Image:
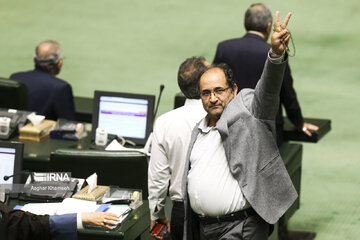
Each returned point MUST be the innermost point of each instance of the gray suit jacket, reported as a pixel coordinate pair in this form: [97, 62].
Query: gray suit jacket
[247, 130]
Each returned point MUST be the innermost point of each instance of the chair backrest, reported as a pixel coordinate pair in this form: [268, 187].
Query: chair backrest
[179, 100]
[13, 94]
[126, 169]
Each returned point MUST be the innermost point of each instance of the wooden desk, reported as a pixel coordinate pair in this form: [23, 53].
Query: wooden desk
[135, 226]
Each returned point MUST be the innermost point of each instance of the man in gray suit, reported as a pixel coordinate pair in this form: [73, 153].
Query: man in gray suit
[236, 183]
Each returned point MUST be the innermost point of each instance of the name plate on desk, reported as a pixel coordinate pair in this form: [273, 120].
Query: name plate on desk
[291, 134]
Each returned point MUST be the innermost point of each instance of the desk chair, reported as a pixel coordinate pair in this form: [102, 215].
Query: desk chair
[179, 100]
[13, 94]
[127, 169]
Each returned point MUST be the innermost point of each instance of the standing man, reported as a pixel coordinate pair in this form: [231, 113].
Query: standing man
[247, 55]
[171, 138]
[236, 183]
[48, 95]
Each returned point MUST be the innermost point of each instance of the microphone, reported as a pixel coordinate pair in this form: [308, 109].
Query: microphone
[162, 86]
[20, 173]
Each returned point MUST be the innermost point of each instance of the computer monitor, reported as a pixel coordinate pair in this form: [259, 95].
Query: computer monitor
[13, 94]
[11, 157]
[124, 114]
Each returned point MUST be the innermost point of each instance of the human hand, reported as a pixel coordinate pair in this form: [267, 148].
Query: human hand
[307, 127]
[103, 219]
[281, 35]
[160, 220]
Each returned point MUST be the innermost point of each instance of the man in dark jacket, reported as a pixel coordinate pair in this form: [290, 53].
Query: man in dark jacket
[247, 55]
[48, 95]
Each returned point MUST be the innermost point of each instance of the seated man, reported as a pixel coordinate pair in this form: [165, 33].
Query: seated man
[24, 225]
[48, 95]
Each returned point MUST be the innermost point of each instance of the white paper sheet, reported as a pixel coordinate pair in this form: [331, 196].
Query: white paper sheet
[41, 208]
[73, 205]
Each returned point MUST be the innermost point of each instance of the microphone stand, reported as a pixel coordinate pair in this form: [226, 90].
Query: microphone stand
[158, 100]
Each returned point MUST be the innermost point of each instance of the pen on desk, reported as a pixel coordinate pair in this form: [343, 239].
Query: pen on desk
[126, 212]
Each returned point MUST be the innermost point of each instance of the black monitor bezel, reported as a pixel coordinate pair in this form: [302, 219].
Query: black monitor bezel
[149, 120]
[19, 150]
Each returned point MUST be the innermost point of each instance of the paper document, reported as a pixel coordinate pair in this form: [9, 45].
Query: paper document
[116, 146]
[122, 211]
[68, 205]
[41, 208]
[119, 210]
[73, 205]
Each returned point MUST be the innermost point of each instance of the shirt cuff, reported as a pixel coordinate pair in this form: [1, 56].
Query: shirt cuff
[158, 214]
[79, 223]
[279, 59]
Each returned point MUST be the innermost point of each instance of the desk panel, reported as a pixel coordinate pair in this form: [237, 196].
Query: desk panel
[135, 225]
[292, 155]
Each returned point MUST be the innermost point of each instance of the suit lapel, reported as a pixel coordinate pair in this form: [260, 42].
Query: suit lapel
[223, 129]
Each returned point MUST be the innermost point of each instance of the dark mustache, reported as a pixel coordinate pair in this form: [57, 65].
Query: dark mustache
[213, 105]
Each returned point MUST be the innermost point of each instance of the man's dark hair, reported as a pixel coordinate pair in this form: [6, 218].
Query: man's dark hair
[189, 75]
[47, 60]
[229, 75]
[257, 17]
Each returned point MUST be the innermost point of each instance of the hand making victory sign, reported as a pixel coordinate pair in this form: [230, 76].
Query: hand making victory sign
[281, 35]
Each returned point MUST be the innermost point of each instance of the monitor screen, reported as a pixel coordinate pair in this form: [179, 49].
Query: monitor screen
[11, 154]
[123, 114]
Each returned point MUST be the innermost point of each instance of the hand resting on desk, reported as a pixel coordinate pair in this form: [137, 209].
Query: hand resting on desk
[103, 219]
[308, 128]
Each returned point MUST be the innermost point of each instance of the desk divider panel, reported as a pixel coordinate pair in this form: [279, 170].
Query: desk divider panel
[126, 169]
[291, 154]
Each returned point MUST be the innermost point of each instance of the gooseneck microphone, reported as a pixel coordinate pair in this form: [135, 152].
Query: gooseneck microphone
[162, 86]
[20, 173]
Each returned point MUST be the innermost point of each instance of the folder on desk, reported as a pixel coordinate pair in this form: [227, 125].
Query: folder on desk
[120, 210]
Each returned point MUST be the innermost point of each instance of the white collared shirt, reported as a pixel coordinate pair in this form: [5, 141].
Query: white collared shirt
[212, 189]
[171, 138]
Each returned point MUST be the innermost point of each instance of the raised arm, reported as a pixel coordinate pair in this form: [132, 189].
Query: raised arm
[266, 97]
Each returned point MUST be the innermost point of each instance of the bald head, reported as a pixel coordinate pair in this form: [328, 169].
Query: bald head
[48, 57]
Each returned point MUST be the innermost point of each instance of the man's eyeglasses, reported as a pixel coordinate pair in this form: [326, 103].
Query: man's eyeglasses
[217, 92]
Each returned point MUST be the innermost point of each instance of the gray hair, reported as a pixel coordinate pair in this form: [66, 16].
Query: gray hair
[47, 55]
[257, 17]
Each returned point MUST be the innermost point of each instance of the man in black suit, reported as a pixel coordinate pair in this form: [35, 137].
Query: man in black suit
[48, 95]
[246, 56]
